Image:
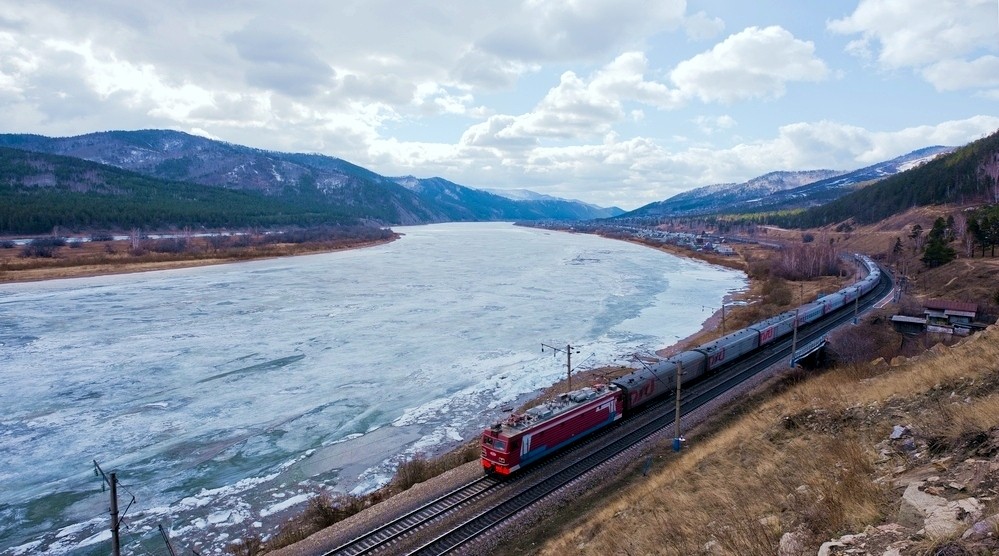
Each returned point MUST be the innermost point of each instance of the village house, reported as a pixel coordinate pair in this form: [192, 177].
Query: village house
[941, 316]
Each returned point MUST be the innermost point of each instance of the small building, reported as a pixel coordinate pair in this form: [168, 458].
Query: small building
[940, 312]
[942, 317]
[724, 250]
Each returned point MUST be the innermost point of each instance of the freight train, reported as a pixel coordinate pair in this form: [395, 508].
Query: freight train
[524, 438]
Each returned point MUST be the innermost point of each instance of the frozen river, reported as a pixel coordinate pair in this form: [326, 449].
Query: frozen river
[222, 395]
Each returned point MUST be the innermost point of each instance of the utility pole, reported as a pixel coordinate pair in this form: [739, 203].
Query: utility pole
[112, 482]
[677, 439]
[115, 540]
[568, 359]
[794, 338]
[856, 308]
[166, 539]
[723, 317]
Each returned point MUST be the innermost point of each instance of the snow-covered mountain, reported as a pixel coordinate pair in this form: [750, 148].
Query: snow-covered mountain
[783, 190]
[722, 197]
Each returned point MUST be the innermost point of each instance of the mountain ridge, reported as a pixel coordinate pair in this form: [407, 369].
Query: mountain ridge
[315, 178]
[783, 190]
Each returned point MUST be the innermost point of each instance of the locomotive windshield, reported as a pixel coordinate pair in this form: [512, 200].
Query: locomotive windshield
[496, 443]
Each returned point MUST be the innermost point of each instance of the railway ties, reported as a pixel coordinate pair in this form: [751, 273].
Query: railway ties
[375, 541]
[564, 469]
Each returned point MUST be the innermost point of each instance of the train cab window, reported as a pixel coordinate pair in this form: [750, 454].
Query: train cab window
[499, 445]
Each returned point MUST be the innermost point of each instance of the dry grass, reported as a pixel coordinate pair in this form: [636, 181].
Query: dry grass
[804, 460]
[115, 257]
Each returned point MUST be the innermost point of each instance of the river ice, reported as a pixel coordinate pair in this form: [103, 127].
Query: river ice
[223, 395]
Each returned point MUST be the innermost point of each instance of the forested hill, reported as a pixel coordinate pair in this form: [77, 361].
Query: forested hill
[308, 179]
[970, 174]
[41, 191]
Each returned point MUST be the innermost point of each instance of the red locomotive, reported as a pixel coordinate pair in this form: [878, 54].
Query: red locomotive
[524, 438]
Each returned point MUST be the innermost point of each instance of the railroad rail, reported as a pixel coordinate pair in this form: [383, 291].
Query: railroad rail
[389, 533]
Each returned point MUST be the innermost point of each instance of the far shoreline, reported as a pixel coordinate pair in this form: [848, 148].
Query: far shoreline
[61, 270]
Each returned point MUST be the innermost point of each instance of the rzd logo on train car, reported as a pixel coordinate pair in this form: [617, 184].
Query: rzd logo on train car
[717, 358]
[768, 334]
[645, 391]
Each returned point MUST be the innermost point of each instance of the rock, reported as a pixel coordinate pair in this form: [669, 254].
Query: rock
[898, 361]
[792, 544]
[938, 516]
[981, 529]
[826, 548]
[842, 542]
[898, 431]
[712, 547]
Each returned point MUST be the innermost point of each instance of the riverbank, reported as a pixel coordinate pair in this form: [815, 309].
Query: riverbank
[104, 258]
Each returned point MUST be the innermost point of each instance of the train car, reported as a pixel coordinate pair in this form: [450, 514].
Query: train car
[851, 293]
[647, 384]
[729, 347]
[524, 438]
[774, 327]
[832, 301]
[810, 312]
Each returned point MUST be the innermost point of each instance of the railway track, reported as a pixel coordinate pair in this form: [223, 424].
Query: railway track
[386, 535]
[559, 471]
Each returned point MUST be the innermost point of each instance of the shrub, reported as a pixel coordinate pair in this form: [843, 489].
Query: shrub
[101, 236]
[44, 247]
[170, 245]
[217, 242]
[7, 244]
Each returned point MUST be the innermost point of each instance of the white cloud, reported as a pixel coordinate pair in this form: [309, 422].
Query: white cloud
[754, 63]
[955, 75]
[701, 26]
[579, 29]
[927, 35]
[710, 124]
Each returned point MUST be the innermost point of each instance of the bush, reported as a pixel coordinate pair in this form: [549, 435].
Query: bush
[7, 244]
[170, 245]
[75, 245]
[777, 292]
[217, 242]
[44, 247]
[101, 236]
[48, 242]
[807, 238]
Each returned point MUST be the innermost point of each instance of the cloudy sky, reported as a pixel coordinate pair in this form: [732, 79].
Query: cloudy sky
[614, 102]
